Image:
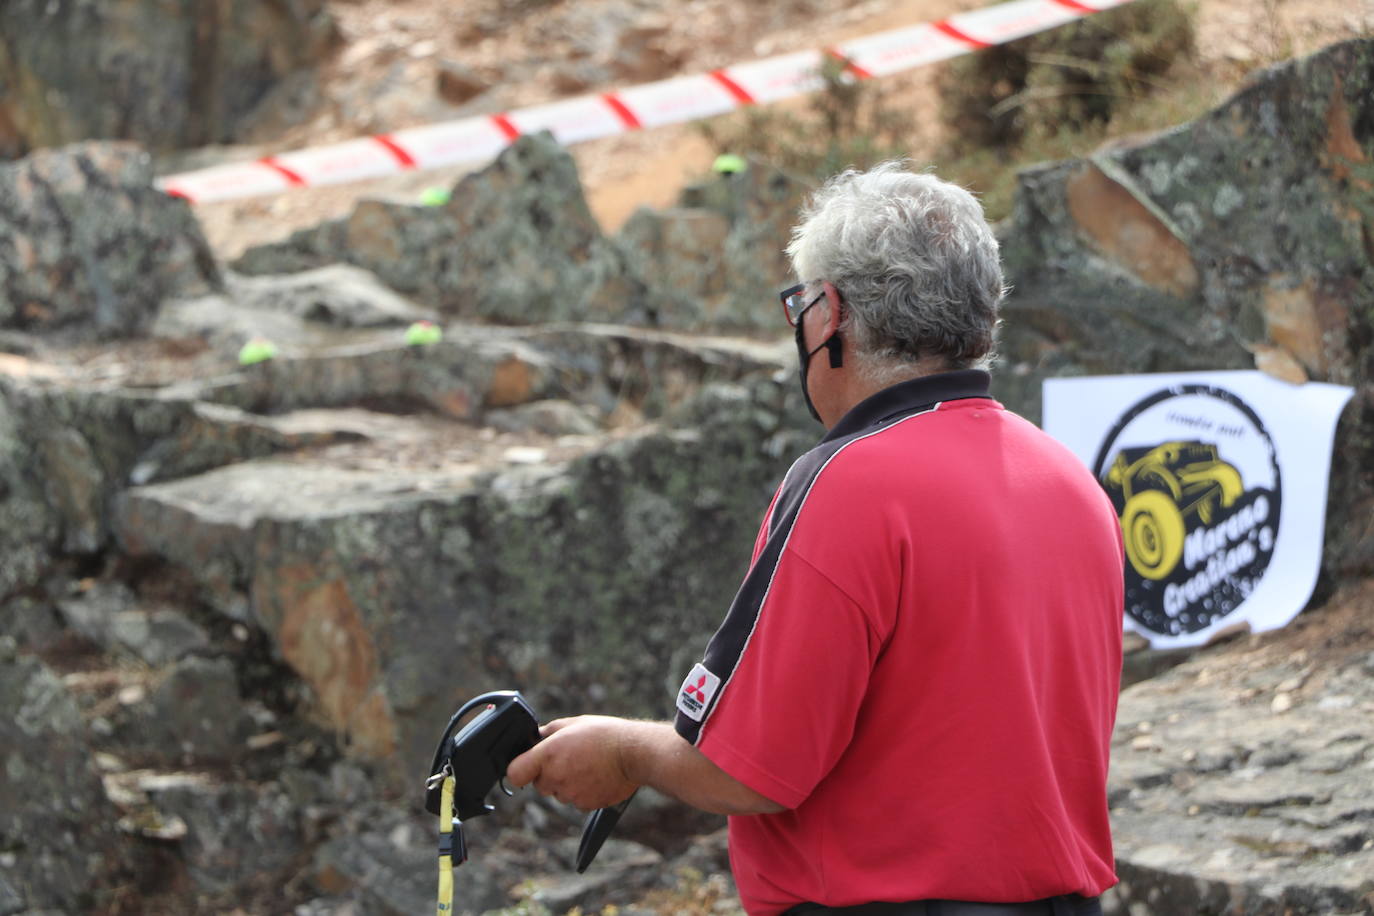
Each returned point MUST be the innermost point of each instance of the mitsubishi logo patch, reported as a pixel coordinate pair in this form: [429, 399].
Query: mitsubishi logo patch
[696, 692]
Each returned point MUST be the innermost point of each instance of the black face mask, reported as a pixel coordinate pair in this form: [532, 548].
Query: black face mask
[834, 345]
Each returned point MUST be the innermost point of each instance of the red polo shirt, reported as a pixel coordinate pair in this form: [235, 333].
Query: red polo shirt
[922, 663]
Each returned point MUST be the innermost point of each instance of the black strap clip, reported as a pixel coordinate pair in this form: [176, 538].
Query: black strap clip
[453, 844]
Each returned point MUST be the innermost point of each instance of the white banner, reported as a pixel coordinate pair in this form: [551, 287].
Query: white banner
[1220, 482]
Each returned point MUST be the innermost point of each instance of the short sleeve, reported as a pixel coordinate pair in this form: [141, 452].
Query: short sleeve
[787, 711]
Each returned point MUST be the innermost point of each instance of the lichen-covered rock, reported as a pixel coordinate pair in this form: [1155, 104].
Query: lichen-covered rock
[516, 243]
[29, 528]
[307, 545]
[307, 310]
[236, 834]
[455, 378]
[63, 452]
[166, 76]
[68, 445]
[718, 259]
[680, 252]
[388, 879]
[384, 867]
[87, 243]
[397, 594]
[550, 417]
[630, 375]
[195, 714]
[1242, 238]
[66, 448]
[110, 616]
[56, 827]
[624, 870]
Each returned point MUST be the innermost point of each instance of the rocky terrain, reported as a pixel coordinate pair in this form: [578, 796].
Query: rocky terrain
[1242, 779]
[239, 601]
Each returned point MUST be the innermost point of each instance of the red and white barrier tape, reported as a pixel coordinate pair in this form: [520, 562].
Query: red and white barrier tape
[671, 101]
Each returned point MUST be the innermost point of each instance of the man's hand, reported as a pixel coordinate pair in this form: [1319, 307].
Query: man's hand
[597, 761]
[579, 762]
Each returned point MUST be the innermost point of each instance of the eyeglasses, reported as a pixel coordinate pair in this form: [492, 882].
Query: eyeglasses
[793, 305]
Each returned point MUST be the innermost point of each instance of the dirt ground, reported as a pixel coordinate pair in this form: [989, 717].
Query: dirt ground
[384, 78]
[1320, 640]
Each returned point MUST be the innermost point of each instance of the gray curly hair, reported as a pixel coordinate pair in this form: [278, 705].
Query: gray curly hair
[914, 261]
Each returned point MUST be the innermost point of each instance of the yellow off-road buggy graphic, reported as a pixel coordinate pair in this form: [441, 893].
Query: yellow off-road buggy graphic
[1156, 488]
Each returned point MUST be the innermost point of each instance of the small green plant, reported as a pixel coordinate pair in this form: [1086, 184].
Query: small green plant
[846, 124]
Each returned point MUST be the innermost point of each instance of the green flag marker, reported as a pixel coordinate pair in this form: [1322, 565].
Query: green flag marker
[434, 197]
[423, 333]
[729, 164]
[257, 350]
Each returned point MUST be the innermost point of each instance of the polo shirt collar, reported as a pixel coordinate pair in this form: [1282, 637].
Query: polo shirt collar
[910, 396]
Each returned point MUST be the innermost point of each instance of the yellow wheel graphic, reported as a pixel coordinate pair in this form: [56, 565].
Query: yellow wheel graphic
[1152, 528]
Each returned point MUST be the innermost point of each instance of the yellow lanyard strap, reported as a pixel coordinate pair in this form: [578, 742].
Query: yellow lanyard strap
[451, 853]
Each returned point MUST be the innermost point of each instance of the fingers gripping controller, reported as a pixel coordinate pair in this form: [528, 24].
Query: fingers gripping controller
[480, 751]
[476, 757]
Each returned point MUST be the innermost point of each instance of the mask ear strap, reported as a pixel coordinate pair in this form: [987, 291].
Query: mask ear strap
[835, 347]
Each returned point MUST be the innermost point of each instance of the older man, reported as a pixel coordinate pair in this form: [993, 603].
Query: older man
[908, 706]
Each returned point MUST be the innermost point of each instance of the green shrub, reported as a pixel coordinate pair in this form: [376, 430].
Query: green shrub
[1068, 79]
[991, 173]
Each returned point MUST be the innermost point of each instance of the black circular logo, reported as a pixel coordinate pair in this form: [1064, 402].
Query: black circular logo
[1193, 476]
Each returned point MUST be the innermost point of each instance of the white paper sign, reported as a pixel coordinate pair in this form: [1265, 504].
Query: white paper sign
[1220, 482]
